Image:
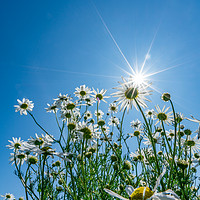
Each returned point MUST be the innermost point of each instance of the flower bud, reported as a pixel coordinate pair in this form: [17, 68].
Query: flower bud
[127, 165]
[166, 97]
[113, 158]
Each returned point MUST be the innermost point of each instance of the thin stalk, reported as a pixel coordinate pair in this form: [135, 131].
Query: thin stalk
[152, 141]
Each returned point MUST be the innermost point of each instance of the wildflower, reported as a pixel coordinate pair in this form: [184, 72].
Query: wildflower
[88, 114]
[113, 108]
[129, 92]
[179, 117]
[163, 116]
[61, 98]
[145, 193]
[69, 105]
[90, 101]
[87, 131]
[41, 141]
[24, 106]
[136, 124]
[157, 139]
[18, 157]
[170, 133]
[192, 143]
[71, 125]
[197, 121]
[138, 155]
[52, 108]
[32, 160]
[8, 196]
[99, 114]
[105, 129]
[99, 95]
[83, 92]
[113, 121]
[150, 113]
[15, 144]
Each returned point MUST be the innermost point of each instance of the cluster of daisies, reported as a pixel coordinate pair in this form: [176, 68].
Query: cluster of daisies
[76, 115]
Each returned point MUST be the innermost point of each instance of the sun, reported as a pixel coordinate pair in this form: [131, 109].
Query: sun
[139, 78]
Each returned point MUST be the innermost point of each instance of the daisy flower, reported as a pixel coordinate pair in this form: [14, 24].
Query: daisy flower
[89, 101]
[113, 108]
[145, 193]
[15, 144]
[24, 106]
[69, 105]
[41, 141]
[61, 98]
[87, 131]
[129, 92]
[163, 116]
[18, 157]
[88, 114]
[197, 121]
[105, 129]
[52, 108]
[8, 196]
[99, 114]
[83, 92]
[99, 95]
[113, 121]
[193, 143]
[170, 133]
[136, 124]
[150, 113]
[137, 132]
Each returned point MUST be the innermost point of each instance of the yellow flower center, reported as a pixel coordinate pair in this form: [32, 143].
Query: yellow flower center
[162, 116]
[24, 106]
[131, 93]
[138, 193]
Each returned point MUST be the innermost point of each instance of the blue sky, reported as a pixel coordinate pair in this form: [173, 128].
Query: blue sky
[48, 47]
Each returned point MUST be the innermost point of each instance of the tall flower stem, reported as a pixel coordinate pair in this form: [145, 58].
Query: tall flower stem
[152, 141]
[174, 149]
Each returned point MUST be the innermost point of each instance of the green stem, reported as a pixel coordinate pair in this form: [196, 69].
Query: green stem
[152, 141]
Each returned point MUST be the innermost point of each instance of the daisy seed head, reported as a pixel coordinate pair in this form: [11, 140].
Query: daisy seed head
[187, 132]
[181, 133]
[182, 164]
[87, 134]
[101, 122]
[71, 126]
[70, 106]
[190, 143]
[136, 133]
[32, 160]
[196, 155]
[57, 163]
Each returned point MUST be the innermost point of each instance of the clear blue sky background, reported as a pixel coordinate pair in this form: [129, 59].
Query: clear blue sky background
[47, 47]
